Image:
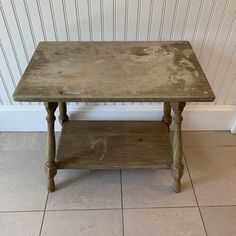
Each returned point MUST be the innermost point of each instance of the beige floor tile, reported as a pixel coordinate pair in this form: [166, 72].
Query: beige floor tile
[86, 189]
[20, 223]
[10, 141]
[153, 188]
[213, 172]
[22, 181]
[208, 138]
[219, 221]
[163, 222]
[83, 223]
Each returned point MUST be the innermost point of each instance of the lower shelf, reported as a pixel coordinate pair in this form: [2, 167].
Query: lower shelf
[114, 145]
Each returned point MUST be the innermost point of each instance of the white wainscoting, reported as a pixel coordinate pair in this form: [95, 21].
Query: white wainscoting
[210, 26]
[197, 117]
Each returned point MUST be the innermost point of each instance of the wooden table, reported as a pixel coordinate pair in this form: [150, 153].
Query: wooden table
[61, 72]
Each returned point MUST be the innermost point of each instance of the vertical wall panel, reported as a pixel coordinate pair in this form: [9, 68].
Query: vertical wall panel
[9, 52]
[132, 19]
[221, 41]
[142, 33]
[121, 19]
[182, 15]
[47, 19]
[214, 31]
[168, 17]
[59, 18]
[157, 19]
[34, 21]
[229, 73]
[96, 14]
[27, 35]
[6, 81]
[210, 26]
[231, 95]
[85, 22]
[204, 18]
[4, 91]
[9, 21]
[108, 19]
[192, 19]
[71, 22]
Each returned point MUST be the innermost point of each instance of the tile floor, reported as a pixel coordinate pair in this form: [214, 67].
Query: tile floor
[128, 202]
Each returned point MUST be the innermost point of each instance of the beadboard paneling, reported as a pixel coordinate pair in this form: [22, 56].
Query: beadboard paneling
[210, 26]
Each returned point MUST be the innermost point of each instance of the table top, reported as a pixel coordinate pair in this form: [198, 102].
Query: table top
[114, 72]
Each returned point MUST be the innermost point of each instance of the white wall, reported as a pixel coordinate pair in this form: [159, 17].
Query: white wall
[210, 26]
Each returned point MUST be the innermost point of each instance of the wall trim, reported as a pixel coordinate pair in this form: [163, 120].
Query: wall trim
[233, 128]
[196, 117]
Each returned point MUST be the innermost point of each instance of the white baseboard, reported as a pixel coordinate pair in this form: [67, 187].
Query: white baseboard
[196, 117]
[233, 128]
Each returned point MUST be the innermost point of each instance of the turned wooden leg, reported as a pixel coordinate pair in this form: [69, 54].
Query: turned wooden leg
[63, 117]
[177, 168]
[167, 118]
[50, 166]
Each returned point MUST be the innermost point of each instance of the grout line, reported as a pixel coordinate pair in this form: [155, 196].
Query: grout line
[89, 209]
[216, 146]
[44, 211]
[125, 208]
[212, 206]
[122, 203]
[21, 211]
[195, 194]
[160, 207]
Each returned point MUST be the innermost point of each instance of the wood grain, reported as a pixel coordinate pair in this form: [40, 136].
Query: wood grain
[50, 165]
[114, 144]
[114, 71]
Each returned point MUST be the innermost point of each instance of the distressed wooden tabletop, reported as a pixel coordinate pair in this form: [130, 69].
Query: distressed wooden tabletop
[114, 71]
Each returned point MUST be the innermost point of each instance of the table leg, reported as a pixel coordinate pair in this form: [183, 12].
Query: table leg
[51, 167]
[167, 118]
[177, 168]
[63, 117]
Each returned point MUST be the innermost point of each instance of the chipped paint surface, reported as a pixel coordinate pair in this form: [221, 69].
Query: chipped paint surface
[114, 71]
